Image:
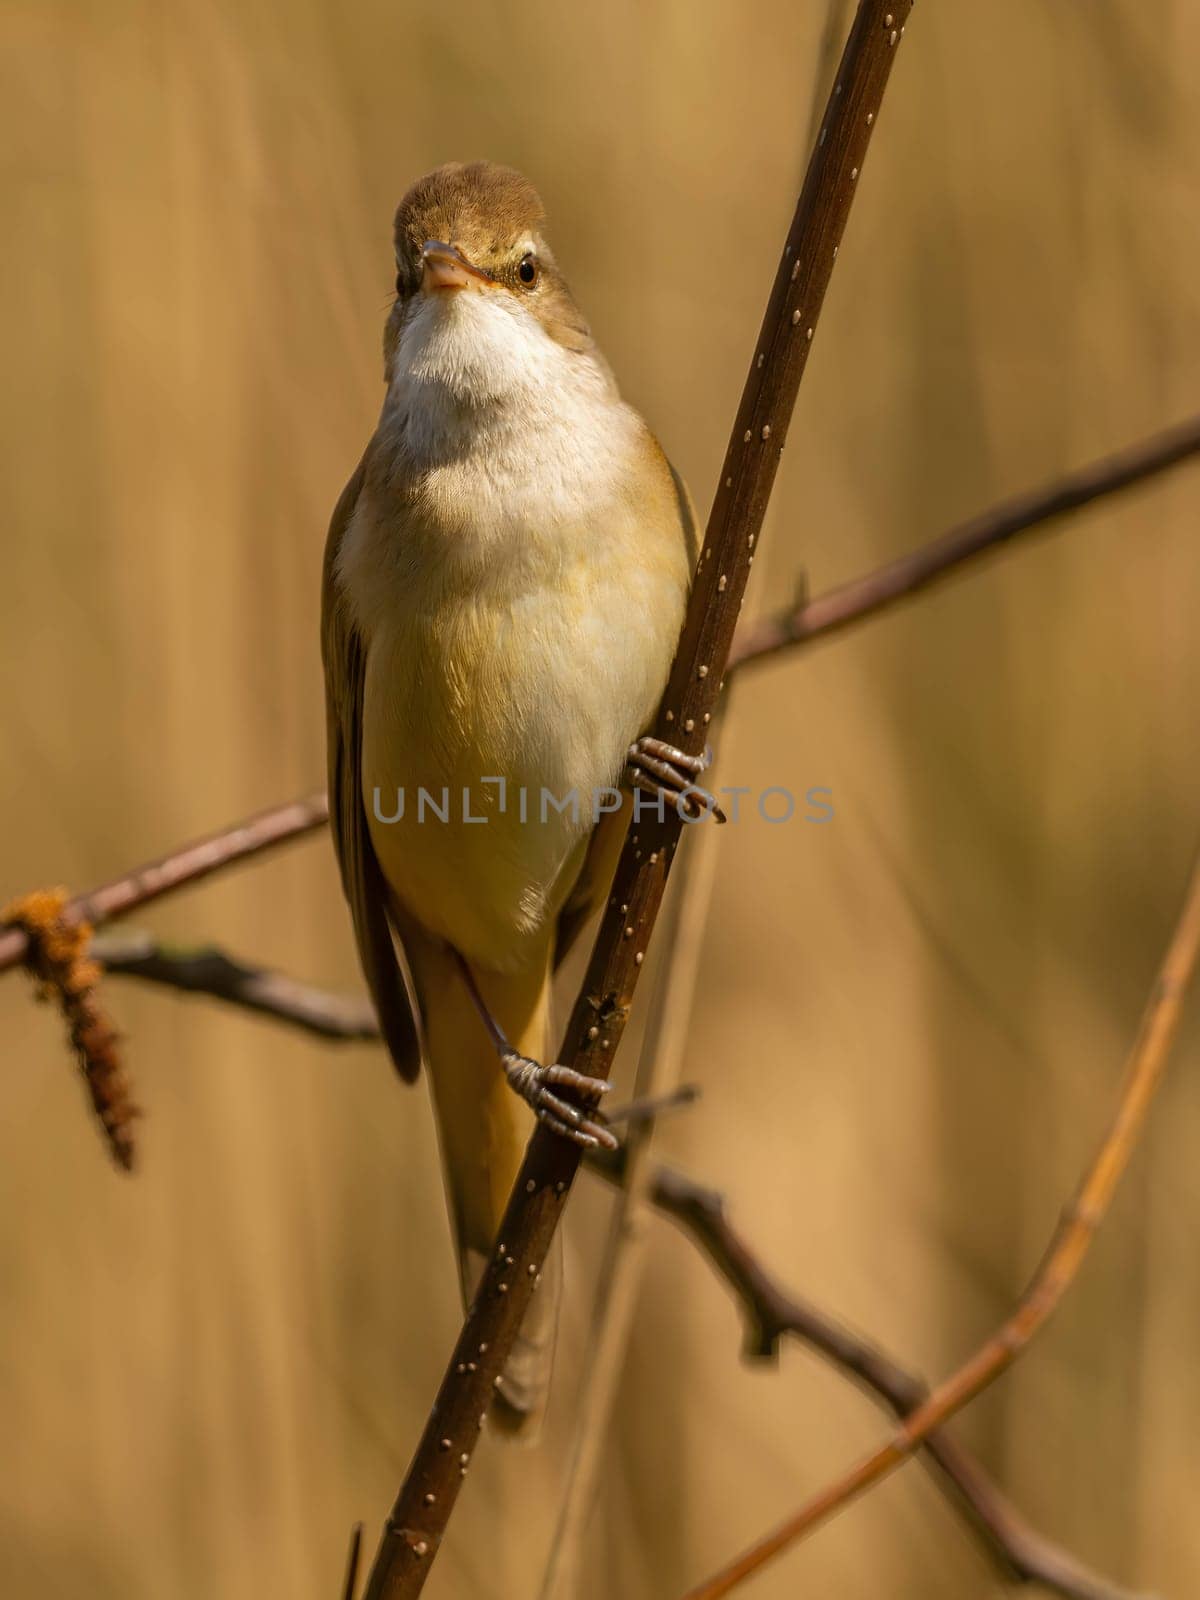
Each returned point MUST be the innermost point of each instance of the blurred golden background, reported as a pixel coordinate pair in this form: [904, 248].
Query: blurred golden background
[910, 1021]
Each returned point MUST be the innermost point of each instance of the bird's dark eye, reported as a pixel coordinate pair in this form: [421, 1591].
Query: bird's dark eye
[528, 271]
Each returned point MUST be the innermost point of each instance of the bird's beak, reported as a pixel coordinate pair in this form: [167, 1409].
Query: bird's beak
[445, 267]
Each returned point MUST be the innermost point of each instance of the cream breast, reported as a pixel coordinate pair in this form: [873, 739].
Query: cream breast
[517, 567]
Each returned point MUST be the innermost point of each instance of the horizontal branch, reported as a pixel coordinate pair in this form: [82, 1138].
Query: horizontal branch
[208, 970]
[189, 864]
[983, 535]
[1070, 1244]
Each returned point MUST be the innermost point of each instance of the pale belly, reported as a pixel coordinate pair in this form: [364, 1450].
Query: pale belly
[545, 693]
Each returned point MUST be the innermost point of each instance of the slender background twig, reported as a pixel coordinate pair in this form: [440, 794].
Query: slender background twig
[981, 536]
[660, 1066]
[660, 1063]
[350, 1581]
[207, 970]
[1063, 1258]
[772, 1313]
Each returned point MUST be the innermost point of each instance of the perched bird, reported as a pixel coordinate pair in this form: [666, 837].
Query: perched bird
[504, 586]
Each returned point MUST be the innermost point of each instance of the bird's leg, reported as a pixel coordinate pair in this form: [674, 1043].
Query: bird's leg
[536, 1084]
[669, 774]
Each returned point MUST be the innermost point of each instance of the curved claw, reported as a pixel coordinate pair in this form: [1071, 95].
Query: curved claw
[592, 1089]
[669, 773]
[648, 745]
[575, 1135]
[532, 1082]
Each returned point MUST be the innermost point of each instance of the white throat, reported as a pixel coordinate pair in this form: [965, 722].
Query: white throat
[471, 366]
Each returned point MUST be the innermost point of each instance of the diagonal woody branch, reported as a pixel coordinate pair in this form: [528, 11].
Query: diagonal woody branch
[1064, 1256]
[427, 1496]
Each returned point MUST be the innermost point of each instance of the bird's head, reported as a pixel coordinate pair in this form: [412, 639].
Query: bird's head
[480, 302]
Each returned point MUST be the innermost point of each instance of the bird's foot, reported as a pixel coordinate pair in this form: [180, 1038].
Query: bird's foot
[669, 774]
[536, 1084]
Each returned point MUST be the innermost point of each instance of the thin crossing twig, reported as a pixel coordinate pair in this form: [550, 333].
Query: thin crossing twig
[983, 535]
[1067, 1249]
[660, 1064]
[207, 970]
[772, 1313]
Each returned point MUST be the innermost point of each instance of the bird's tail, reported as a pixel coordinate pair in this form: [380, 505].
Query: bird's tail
[483, 1128]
